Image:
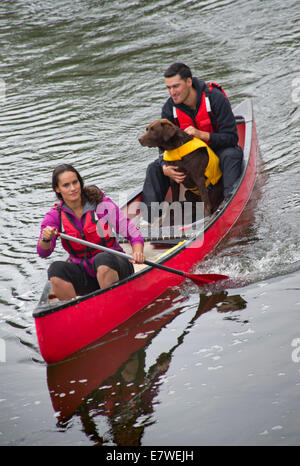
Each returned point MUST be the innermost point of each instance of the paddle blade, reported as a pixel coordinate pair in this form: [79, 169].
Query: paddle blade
[205, 278]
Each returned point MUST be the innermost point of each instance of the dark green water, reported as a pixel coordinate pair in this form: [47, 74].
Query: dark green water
[79, 81]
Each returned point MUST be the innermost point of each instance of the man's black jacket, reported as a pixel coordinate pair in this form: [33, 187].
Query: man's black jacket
[226, 134]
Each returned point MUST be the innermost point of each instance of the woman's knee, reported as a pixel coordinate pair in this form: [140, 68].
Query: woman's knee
[56, 268]
[106, 276]
[57, 281]
[62, 289]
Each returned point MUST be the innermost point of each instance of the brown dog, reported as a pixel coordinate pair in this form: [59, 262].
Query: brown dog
[167, 136]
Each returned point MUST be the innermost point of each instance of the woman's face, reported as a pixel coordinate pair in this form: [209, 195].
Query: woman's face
[69, 187]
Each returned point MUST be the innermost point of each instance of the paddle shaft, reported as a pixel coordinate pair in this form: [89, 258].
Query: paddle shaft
[119, 253]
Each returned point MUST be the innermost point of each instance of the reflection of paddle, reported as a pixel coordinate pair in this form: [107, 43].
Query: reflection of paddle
[199, 279]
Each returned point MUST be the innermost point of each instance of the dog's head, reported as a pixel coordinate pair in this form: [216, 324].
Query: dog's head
[158, 133]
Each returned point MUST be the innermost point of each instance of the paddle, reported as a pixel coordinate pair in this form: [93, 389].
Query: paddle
[199, 279]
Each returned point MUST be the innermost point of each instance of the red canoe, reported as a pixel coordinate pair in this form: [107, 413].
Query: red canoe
[66, 327]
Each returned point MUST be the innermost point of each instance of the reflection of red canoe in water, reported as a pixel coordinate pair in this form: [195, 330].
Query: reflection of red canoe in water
[71, 381]
[64, 328]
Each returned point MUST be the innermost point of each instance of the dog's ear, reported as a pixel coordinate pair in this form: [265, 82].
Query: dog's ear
[168, 130]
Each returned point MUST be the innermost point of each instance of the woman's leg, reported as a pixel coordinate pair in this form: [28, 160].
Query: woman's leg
[110, 268]
[106, 276]
[61, 289]
[69, 280]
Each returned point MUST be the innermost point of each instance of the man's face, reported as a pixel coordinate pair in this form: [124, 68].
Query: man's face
[179, 89]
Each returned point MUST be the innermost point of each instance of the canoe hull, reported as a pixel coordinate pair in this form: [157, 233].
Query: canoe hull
[68, 327]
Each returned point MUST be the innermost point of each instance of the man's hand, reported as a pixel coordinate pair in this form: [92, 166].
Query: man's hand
[196, 133]
[171, 172]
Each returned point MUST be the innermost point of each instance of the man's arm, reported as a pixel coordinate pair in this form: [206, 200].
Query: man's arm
[226, 136]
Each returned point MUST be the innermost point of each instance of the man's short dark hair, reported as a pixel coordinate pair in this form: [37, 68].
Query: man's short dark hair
[178, 68]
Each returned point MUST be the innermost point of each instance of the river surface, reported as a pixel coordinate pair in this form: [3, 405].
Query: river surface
[79, 81]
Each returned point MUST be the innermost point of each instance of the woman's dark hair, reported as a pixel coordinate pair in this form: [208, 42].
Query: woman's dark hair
[178, 68]
[88, 193]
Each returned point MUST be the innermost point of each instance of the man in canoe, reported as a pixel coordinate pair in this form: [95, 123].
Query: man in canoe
[85, 213]
[203, 111]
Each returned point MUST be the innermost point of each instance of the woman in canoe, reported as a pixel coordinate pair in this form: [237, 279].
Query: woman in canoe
[85, 213]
